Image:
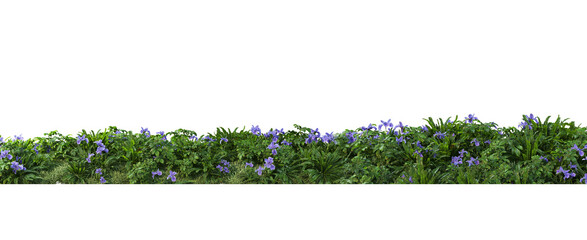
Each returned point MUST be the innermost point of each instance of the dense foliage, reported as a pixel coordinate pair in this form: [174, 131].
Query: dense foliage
[467, 151]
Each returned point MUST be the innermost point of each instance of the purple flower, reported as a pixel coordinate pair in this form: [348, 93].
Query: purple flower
[162, 133]
[351, 137]
[418, 152]
[248, 165]
[171, 175]
[401, 126]
[269, 163]
[583, 179]
[4, 154]
[565, 172]
[286, 143]
[424, 128]
[457, 160]
[410, 179]
[531, 117]
[89, 157]
[524, 125]
[462, 152]
[449, 121]
[387, 124]
[488, 142]
[400, 140]
[544, 158]
[256, 130]
[473, 161]
[313, 136]
[18, 137]
[328, 137]
[35, 148]
[273, 146]
[102, 180]
[260, 170]
[156, 173]
[225, 163]
[81, 139]
[223, 139]
[471, 118]
[572, 166]
[476, 142]
[578, 149]
[99, 171]
[2, 140]
[193, 137]
[146, 131]
[439, 135]
[118, 132]
[419, 145]
[17, 167]
[209, 139]
[101, 147]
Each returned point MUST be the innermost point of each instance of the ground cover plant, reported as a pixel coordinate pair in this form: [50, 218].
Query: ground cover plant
[447, 151]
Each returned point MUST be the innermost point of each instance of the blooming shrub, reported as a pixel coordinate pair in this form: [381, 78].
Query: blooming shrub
[441, 151]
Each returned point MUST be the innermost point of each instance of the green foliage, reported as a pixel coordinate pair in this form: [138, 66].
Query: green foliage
[533, 153]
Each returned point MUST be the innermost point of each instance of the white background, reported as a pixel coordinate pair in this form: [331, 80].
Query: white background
[333, 65]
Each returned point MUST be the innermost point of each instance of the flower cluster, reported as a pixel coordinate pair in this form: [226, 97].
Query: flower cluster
[473, 161]
[459, 159]
[17, 167]
[387, 124]
[145, 131]
[400, 140]
[439, 135]
[99, 171]
[471, 118]
[256, 130]
[351, 137]
[224, 169]
[101, 147]
[269, 163]
[313, 136]
[82, 138]
[35, 148]
[528, 122]
[16, 138]
[274, 133]
[328, 137]
[4, 154]
[565, 172]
